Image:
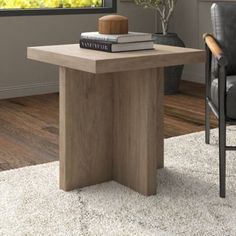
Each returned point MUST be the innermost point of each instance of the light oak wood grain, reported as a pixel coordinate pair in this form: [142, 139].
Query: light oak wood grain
[85, 128]
[213, 45]
[111, 114]
[160, 117]
[138, 129]
[72, 56]
[111, 127]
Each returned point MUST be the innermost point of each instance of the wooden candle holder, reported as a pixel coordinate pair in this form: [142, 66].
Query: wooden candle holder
[113, 24]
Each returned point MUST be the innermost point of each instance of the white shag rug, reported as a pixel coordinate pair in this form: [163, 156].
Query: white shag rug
[187, 202]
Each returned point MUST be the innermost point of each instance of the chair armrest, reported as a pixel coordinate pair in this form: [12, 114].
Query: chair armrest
[215, 49]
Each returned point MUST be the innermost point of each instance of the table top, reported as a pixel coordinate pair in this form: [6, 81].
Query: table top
[72, 56]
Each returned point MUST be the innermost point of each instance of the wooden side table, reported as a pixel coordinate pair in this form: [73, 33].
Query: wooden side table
[111, 113]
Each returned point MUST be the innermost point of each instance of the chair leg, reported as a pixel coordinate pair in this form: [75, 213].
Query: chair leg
[207, 123]
[222, 157]
[207, 93]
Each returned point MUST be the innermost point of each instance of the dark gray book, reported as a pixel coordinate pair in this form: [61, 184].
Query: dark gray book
[115, 47]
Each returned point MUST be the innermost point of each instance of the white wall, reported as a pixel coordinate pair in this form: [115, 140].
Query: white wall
[20, 76]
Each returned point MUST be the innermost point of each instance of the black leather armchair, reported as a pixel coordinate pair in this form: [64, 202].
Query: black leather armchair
[221, 77]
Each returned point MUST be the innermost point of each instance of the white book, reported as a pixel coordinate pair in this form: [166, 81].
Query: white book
[118, 38]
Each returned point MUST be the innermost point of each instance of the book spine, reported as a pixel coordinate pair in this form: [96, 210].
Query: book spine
[100, 38]
[100, 46]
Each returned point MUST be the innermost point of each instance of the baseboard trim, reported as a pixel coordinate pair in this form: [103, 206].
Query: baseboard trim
[53, 87]
[193, 77]
[28, 90]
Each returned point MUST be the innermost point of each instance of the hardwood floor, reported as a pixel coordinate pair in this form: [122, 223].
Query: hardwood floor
[29, 125]
[185, 111]
[28, 131]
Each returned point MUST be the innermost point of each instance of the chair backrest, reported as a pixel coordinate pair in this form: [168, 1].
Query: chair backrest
[223, 17]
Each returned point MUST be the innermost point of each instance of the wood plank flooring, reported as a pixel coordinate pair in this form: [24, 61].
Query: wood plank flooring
[185, 111]
[28, 131]
[29, 125]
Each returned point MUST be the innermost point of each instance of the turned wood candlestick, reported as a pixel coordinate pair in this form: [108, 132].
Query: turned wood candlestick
[113, 24]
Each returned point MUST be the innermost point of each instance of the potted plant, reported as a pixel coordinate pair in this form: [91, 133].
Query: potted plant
[165, 8]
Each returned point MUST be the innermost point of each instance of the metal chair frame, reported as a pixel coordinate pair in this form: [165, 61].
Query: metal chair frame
[213, 49]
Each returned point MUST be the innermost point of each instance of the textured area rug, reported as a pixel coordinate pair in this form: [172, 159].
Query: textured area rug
[187, 202]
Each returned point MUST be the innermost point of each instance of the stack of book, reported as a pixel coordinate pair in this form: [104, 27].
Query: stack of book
[116, 43]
